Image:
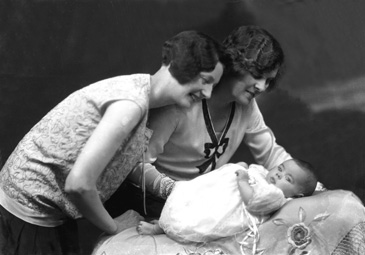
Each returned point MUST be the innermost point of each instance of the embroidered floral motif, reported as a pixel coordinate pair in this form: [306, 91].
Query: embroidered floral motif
[299, 235]
[206, 252]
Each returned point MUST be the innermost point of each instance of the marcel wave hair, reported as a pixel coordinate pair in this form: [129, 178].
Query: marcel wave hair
[254, 50]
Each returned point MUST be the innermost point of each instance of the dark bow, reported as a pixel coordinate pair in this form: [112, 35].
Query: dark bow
[212, 152]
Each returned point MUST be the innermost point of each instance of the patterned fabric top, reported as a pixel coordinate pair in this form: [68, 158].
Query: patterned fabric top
[33, 178]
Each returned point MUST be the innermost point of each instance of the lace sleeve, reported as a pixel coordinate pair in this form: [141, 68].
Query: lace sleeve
[163, 186]
[155, 182]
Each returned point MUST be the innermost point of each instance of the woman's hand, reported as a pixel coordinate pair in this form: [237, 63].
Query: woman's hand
[127, 220]
[121, 226]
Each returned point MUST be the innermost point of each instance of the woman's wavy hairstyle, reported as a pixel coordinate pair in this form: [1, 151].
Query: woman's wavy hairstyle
[189, 53]
[254, 50]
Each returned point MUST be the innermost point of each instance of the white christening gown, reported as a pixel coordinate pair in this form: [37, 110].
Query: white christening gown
[210, 206]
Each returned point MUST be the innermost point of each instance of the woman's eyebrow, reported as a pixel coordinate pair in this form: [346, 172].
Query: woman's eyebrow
[208, 77]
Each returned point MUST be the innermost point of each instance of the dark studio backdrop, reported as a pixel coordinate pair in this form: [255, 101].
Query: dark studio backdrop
[49, 49]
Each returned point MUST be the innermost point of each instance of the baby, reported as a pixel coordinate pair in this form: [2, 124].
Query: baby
[210, 206]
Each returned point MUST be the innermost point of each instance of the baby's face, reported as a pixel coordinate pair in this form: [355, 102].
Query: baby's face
[287, 177]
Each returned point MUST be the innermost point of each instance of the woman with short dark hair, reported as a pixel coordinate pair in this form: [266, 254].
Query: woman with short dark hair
[75, 158]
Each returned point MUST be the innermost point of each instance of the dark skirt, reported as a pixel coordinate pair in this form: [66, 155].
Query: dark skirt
[22, 238]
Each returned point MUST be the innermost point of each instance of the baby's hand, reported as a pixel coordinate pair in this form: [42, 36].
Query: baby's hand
[242, 175]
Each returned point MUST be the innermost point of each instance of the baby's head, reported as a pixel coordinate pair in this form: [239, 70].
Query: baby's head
[294, 177]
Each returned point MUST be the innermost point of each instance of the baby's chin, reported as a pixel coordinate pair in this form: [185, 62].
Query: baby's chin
[270, 180]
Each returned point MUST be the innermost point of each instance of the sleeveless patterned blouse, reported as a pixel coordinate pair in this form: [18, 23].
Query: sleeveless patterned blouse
[33, 178]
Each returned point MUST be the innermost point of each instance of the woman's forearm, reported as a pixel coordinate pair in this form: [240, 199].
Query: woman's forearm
[118, 121]
[91, 207]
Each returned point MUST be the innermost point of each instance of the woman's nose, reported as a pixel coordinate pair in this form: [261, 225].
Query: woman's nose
[261, 85]
[207, 91]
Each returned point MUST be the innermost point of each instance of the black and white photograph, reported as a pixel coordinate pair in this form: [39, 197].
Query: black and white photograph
[182, 127]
